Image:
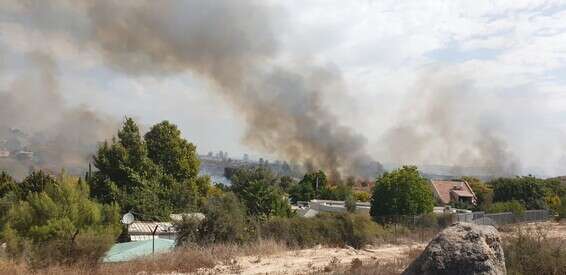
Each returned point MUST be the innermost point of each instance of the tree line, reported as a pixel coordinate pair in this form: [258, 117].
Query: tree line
[66, 219]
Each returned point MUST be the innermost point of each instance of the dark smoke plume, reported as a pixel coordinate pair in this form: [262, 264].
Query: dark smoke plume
[445, 121]
[34, 118]
[233, 44]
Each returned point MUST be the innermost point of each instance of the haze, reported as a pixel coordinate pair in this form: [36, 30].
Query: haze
[457, 83]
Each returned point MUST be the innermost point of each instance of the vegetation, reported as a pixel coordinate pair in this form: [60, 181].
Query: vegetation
[328, 229]
[484, 193]
[315, 186]
[257, 189]
[225, 222]
[138, 174]
[401, 192]
[531, 251]
[54, 221]
[529, 191]
[513, 206]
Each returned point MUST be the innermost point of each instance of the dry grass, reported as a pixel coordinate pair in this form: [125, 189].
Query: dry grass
[183, 260]
[358, 267]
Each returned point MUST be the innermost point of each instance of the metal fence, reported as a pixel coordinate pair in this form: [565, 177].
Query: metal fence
[424, 227]
[496, 219]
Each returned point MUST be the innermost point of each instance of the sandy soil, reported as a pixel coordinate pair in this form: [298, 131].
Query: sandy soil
[316, 259]
[308, 260]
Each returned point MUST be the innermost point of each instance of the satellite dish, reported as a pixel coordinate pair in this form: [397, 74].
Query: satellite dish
[127, 219]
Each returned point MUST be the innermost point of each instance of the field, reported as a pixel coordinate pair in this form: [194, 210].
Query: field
[268, 257]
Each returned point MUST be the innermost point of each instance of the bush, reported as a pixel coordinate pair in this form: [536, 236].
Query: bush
[562, 208]
[513, 206]
[225, 222]
[328, 229]
[59, 224]
[530, 251]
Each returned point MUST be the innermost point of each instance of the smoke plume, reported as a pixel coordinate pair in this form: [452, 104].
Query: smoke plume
[233, 44]
[446, 121]
[34, 118]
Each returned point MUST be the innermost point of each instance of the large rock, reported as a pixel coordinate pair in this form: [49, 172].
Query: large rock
[462, 248]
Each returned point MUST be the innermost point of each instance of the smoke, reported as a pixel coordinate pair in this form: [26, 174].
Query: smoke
[447, 121]
[34, 117]
[233, 44]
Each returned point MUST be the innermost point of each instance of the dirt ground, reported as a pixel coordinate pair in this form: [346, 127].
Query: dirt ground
[316, 259]
[310, 260]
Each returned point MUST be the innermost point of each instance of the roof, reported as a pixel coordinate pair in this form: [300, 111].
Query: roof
[121, 252]
[179, 217]
[145, 228]
[463, 193]
[442, 189]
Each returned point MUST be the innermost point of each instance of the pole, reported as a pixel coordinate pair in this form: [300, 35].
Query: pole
[153, 241]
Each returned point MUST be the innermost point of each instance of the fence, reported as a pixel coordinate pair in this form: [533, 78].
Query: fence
[496, 219]
[426, 226]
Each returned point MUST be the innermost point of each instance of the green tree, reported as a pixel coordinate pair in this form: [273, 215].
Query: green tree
[401, 192]
[483, 192]
[36, 182]
[529, 191]
[256, 188]
[154, 176]
[7, 184]
[312, 186]
[173, 153]
[60, 224]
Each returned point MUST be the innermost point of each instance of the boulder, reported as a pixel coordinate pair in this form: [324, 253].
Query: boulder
[462, 248]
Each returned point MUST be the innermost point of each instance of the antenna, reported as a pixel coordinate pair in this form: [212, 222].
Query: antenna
[127, 219]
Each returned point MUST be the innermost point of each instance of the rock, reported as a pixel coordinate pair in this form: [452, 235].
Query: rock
[462, 248]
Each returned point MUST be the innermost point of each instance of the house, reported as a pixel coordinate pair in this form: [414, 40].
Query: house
[140, 231]
[448, 192]
[316, 206]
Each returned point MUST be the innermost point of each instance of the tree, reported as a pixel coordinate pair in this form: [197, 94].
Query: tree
[169, 150]
[60, 224]
[36, 182]
[529, 191]
[7, 184]
[401, 192]
[141, 174]
[312, 186]
[483, 192]
[257, 190]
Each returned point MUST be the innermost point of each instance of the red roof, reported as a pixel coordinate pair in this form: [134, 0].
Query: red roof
[443, 188]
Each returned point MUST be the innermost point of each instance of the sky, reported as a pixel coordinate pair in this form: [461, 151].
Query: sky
[493, 68]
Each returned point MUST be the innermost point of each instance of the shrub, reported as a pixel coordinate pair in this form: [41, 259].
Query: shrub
[530, 251]
[60, 224]
[562, 208]
[225, 222]
[362, 196]
[329, 229]
[513, 206]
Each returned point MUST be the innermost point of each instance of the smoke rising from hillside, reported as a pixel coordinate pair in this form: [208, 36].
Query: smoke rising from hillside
[233, 44]
[34, 117]
[443, 121]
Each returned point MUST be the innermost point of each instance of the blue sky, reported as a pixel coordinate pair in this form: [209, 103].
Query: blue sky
[511, 55]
